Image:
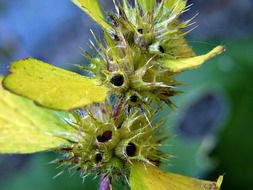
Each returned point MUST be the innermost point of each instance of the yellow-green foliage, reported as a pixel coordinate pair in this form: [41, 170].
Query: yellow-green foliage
[51, 86]
[151, 178]
[26, 128]
[109, 127]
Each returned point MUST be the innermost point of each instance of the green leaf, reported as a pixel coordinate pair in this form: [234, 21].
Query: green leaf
[92, 8]
[176, 5]
[182, 64]
[151, 178]
[27, 128]
[147, 6]
[52, 87]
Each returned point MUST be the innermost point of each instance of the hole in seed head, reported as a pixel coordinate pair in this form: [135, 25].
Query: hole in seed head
[134, 98]
[131, 149]
[117, 80]
[161, 49]
[98, 157]
[140, 30]
[116, 37]
[105, 137]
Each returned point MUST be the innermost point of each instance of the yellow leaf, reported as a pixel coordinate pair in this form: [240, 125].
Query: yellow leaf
[92, 8]
[151, 178]
[182, 64]
[182, 49]
[51, 86]
[26, 128]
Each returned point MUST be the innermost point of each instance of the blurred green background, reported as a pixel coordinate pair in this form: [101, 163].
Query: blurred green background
[213, 125]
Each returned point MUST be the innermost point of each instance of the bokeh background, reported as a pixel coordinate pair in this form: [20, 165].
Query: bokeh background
[213, 131]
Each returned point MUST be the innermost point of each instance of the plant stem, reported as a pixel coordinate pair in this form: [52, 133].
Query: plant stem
[105, 183]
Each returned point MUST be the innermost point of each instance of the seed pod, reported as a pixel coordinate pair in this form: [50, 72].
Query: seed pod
[126, 149]
[107, 137]
[118, 82]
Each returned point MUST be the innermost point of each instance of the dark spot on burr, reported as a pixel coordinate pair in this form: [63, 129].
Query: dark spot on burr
[117, 80]
[98, 157]
[140, 30]
[105, 137]
[134, 98]
[161, 49]
[131, 149]
[116, 37]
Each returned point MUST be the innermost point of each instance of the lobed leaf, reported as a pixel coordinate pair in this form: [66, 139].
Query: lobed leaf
[182, 64]
[151, 178]
[51, 86]
[27, 128]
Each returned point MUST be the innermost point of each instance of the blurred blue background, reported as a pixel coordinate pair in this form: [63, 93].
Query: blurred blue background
[213, 124]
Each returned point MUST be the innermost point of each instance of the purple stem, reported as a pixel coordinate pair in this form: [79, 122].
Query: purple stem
[116, 111]
[105, 183]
